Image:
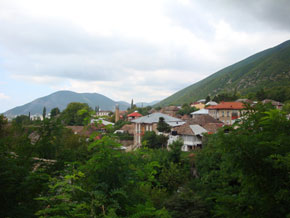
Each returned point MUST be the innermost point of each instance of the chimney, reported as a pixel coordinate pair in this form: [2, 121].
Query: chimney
[117, 114]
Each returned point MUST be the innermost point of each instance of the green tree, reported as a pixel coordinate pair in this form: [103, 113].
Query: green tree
[286, 108]
[261, 95]
[21, 120]
[245, 172]
[151, 140]
[186, 109]
[162, 126]
[175, 151]
[76, 114]
[3, 123]
[207, 99]
[44, 113]
[54, 112]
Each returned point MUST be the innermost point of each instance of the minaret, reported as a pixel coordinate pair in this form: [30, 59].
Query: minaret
[117, 114]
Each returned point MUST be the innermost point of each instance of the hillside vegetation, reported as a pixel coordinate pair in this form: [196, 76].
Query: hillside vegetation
[242, 171]
[267, 69]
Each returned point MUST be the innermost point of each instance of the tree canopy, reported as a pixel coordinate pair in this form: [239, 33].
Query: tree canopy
[76, 114]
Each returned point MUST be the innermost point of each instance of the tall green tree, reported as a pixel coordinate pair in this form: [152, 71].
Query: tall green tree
[44, 113]
[162, 126]
[245, 172]
[54, 112]
[76, 114]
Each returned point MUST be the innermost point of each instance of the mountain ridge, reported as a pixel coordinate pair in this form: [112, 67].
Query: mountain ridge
[247, 75]
[61, 99]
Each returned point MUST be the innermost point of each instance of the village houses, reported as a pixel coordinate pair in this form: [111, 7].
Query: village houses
[191, 136]
[149, 123]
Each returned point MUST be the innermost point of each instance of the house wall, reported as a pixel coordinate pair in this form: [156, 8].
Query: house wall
[198, 106]
[140, 129]
[225, 115]
[190, 142]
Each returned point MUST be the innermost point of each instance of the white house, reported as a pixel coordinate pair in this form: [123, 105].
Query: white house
[104, 122]
[199, 112]
[191, 136]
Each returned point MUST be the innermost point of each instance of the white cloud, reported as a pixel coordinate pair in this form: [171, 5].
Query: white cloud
[3, 96]
[123, 49]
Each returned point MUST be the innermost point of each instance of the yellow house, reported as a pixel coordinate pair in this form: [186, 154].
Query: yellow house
[198, 105]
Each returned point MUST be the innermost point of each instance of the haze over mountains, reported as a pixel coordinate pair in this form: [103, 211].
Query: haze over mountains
[61, 99]
[266, 69]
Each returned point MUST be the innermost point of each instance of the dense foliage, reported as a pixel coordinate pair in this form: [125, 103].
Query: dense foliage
[244, 172]
[76, 114]
[162, 126]
[154, 141]
[186, 109]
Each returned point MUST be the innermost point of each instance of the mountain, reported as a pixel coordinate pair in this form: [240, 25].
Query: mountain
[144, 104]
[61, 99]
[266, 69]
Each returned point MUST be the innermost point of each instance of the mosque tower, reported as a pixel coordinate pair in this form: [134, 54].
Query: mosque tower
[117, 113]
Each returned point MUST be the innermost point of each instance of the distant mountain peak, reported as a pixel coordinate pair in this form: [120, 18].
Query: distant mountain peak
[62, 98]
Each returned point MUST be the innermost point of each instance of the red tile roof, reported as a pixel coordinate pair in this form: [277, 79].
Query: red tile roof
[227, 105]
[134, 114]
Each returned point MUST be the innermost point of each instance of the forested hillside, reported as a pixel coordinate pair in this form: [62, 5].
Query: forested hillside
[266, 69]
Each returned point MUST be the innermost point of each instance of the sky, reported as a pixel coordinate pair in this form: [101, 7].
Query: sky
[131, 49]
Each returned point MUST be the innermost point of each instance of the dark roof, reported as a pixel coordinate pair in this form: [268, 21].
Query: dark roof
[213, 127]
[170, 108]
[187, 129]
[274, 103]
[85, 131]
[203, 119]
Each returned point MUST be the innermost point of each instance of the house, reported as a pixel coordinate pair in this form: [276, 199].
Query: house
[198, 105]
[227, 112]
[128, 128]
[103, 113]
[210, 103]
[100, 120]
[207, 122]
[199, 112]
[170, 110]
[191, 136]
[87, 131]
[134, 115]
[149, 123]
[122, 114]
[245, 100]
[276, 104]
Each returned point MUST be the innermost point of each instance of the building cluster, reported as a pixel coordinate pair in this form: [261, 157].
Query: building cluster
[191, 129]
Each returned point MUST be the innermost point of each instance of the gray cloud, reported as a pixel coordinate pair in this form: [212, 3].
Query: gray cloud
[61, 49]
[247, 15]
[39, 46]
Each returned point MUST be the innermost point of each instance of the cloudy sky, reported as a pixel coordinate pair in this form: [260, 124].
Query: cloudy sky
[140, 49]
